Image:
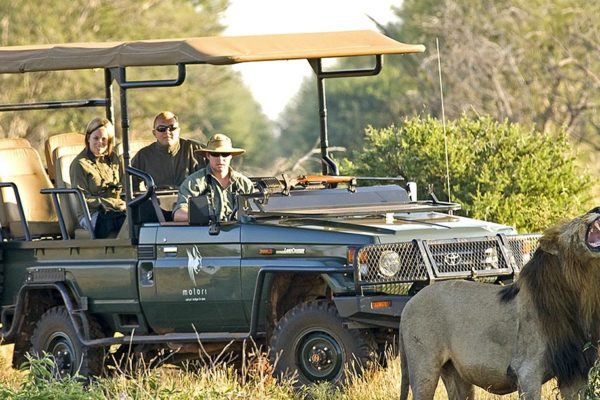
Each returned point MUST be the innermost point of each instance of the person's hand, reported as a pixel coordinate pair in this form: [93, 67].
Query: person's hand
[122, 205]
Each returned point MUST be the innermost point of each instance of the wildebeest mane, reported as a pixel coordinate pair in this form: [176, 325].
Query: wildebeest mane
[559, 308]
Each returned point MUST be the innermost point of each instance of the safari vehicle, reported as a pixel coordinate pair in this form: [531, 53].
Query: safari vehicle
[317, 268]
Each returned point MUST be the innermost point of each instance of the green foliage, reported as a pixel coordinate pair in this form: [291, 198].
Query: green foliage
[592, 389]
[42, 384]
[352, 104]
[498, 171]
[533, 62]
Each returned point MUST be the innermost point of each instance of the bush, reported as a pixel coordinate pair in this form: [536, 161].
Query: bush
[592, 390]
[498, 171]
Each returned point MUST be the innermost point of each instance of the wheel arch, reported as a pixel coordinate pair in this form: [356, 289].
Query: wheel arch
[288, 287]
[18, 322]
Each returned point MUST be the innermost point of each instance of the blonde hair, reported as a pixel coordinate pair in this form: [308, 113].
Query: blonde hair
[164, 115]
[96, 124]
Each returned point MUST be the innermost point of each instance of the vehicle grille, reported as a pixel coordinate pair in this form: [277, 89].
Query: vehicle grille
[522, 248]
[475, 256]
[146, 252]
[424, 260]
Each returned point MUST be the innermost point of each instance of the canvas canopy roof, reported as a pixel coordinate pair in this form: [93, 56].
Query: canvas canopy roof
[218, 50]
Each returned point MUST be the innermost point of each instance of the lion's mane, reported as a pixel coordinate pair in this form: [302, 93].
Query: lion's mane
[561, 286]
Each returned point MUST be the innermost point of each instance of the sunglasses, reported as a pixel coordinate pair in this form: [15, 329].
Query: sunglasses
[101, 123]
[224, 155]
[164, 128]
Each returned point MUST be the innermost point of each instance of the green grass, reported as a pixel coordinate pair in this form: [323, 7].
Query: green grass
[211, 382]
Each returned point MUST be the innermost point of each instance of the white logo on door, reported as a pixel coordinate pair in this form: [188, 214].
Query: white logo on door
[195, 264]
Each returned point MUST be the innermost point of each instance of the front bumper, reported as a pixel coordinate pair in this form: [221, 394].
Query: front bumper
[382, 311]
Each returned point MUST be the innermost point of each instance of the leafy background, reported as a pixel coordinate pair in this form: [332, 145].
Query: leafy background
[529, 66]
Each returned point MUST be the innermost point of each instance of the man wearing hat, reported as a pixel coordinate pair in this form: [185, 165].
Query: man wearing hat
[218, 180]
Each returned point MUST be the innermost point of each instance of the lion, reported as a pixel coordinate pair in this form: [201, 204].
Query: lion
[515, 337]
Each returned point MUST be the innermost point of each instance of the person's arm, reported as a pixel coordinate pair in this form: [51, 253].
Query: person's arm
[180, 215]
[180, 211]
[94, 202]
[79, 181]
[247, 186]
[193, 186]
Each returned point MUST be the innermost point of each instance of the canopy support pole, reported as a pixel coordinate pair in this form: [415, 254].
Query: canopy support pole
[329, 167]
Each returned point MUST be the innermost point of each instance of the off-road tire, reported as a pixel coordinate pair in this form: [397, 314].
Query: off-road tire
[54, 334]
[311, 344]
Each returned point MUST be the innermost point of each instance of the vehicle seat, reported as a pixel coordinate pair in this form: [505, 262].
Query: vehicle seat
[134, 146]
[23, 166]
[59, 140]
[12, 143]
[63, 157]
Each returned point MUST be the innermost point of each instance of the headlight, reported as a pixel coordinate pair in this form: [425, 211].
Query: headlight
[363, 269]
[389, 263]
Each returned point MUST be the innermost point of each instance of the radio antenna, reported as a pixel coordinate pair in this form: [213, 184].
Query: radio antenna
[437, 45]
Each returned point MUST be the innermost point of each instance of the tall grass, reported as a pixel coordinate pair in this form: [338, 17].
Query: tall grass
[212, 381]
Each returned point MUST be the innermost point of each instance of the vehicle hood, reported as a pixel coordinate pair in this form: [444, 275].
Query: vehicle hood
[406, 226]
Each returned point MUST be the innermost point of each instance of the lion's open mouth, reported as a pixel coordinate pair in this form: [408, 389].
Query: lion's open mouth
[593, 235]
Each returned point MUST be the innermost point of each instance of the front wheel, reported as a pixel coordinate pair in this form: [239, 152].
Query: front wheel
[311, 343]
[54, 334]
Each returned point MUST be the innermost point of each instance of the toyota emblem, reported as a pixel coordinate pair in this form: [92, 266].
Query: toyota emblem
[452, 259]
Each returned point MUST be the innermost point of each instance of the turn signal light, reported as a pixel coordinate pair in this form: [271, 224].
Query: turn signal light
[379, 304]
[351, 253]
[266, 252]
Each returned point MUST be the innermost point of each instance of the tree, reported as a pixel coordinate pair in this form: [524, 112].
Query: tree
[352, 104]
[521, 60]
[212, 99]
[531, 62]
[498, 172]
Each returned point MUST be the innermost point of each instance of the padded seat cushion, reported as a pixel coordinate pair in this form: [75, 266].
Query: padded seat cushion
[12, 143]
[68, 203]
[23, 166]
[59, 140]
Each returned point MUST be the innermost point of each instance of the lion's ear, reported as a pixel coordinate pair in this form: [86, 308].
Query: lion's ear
[549, 242]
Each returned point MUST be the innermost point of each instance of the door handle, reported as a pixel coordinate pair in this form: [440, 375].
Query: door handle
[170, 251]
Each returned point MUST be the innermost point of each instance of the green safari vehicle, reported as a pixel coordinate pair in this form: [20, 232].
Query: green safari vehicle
[316, 268]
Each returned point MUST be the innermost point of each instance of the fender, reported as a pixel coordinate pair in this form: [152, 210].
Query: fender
[260, 280]
[12, 316]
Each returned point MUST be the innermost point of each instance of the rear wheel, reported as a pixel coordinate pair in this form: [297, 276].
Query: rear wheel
[311, 343]
[54, 334]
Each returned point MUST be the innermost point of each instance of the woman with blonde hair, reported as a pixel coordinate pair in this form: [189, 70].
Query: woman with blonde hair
[97, 171]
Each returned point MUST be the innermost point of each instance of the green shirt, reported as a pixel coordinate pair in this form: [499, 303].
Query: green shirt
[168, 166]
[99, 179]
[224, 200]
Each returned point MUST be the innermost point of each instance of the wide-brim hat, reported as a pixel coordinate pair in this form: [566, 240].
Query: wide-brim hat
[220, 143]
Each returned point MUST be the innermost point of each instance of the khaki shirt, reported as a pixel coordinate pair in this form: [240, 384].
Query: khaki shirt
[99, 179]
[168, 166]
[224, 200]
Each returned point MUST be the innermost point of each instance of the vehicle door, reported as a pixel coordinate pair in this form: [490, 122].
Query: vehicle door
[195, 283]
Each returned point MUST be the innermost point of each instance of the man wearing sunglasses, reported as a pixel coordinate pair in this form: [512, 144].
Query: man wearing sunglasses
[171, 158]
[218, 181]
